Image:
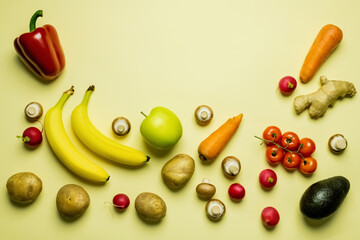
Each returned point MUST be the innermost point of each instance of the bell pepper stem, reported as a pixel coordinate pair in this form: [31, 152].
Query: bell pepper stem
[32, 26]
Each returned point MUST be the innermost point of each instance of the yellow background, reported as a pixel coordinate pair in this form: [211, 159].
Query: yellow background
[141, 54]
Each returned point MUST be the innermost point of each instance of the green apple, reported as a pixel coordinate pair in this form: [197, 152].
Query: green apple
[161, 129]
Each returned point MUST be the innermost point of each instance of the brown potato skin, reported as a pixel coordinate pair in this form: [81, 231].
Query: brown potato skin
[150, 207]
[72, 201]
[24, 187]
[178, 171]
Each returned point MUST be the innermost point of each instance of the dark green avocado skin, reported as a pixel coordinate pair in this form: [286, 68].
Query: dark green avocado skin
[323, 198]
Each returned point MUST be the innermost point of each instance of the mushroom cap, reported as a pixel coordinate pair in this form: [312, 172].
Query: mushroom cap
[121, 126]
[231, 166]
[33, 111]
[203, 114]
[215, 209]
[205, 190]
[337, 143]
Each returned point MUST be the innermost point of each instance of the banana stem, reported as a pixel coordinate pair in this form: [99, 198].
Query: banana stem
[65, 97]
[87, 96]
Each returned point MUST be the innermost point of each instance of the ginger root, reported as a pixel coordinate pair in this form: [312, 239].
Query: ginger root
[325, 96]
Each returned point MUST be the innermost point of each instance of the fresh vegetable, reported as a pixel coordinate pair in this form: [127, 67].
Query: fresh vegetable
[32, 137]
[65, 150]
[236, 191]
[307, 147]
[97, 142]
[287, 85]
[161, 129]
[205, 190]
[324, 44]
[274, 154]
[324, 197]
[308, 165]
[272, 134]
[203, 114]
[121, 126]
[291, 160]
[215, 209]
[319, 101]
[150, 207]
[40, 50]
[290, 141]
[270, 217]
[33, 111]
[211, 147]
[267, 178]
[24, 187]
[337, 143]
[231, 166]
[72, 201]
[178, 171]
[121, 201]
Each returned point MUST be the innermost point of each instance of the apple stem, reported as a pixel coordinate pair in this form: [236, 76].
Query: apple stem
[143, 113]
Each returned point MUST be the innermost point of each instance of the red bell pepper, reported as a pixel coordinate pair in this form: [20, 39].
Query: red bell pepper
[40, 50]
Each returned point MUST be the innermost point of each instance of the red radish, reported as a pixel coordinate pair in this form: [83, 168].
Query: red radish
[121, 201]
[287, 85]
[32, 137]
[267, 178]
[270, 217]
[236, 191]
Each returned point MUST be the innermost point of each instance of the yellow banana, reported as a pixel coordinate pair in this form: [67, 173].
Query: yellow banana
[63, 147]
[91, 137]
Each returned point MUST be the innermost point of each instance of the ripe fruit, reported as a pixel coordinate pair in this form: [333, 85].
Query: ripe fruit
[291, 160]
[236, 191]
[32, 137]
[287, 85]
[161, 129]
[290, 141]
[267, 178]
[307, 147]
[272, 133]
[121, 201]
[308, 165]
[274, 154]
[270, 217]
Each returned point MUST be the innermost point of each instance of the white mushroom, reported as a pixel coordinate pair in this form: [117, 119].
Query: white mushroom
[121, 126]
[203, 114]
[33, 111]
[337, 143]
[231, 166]
[215, 209]
[205, 190]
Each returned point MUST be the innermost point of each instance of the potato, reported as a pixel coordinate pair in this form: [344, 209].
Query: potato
[72, 201]
[24, 187]
[150, 207]
[178, 171]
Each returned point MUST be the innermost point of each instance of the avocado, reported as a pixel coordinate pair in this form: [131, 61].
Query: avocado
[324, 197]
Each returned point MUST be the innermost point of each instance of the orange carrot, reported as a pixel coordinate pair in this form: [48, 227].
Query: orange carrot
[325, 42]
[211, 147]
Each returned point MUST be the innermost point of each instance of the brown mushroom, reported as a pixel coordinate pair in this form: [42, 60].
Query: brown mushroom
[33, 111]
[203, 114]
[337, 143]
[205, 190]
[215, 209]
[121, 126]
[231, 166]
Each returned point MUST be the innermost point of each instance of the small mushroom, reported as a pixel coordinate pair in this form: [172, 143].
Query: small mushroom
[337, 143]
[205, 190]
[121, 126]
[33, 111]
[231, 166]
[203, 114]
[215, 209]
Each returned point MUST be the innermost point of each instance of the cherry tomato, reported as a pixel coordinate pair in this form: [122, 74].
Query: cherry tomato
[308, 165]
[290, 141]
[272, 133]
[291, 160]
[274, 154]
[307, 147]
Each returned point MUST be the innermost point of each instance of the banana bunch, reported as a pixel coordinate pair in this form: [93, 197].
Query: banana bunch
[99, 143]
[70, 156]
[64, 148]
